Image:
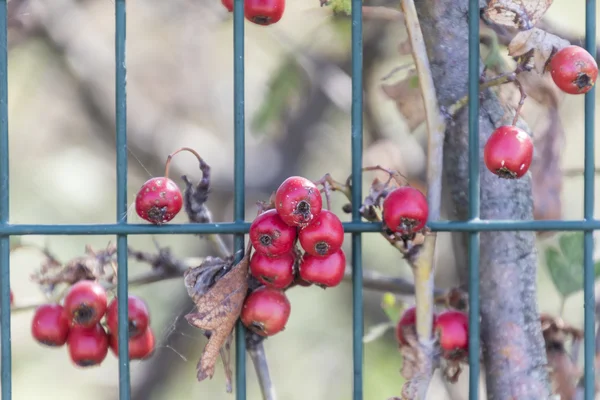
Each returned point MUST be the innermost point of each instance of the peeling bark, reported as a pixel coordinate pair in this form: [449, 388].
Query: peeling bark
[512, 341]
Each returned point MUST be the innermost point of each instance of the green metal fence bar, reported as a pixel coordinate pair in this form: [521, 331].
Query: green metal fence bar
[588, 213]
[357, 145]
[6, 369]
[243, 227]
[239, 178]
[474, 192]
[122, 203]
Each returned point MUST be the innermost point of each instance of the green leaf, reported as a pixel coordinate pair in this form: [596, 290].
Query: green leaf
[571, 245]
[392, 307]
[567, 277]
[283, 86]
[377, 331]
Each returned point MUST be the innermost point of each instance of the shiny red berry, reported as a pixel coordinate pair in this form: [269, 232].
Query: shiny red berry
[266, 311]
[87, 346]
[405, 210]
[324, 235]
[407, 322]
[228, 4]
[276, 272]
[264, 12]
[573, 70]
[508, 152]
[159, 200]
[50, 326]
[85, 303]
[298, 200]
[453, 330]
[325, 271]
[138, 315]
[140, 347]
[270, 235]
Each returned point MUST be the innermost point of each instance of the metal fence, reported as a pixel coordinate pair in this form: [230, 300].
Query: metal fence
[239, 227]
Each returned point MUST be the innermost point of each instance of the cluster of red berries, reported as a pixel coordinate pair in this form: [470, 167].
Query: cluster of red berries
[509, 150]
[78, 323]
[260, 12]
[298, 216]
[451, 327]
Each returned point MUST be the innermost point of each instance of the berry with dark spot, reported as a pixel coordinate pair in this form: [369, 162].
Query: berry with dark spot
[158, 201]
[508, 152]
[405, 210]
[140, 347]
[270, 235]
[264, 12]
[573, 70]
[325, 271]
[298, 200]
[275, 272]
[137, 314]
[87, 346]
[85, 303]
[324, 236]
[266, 311]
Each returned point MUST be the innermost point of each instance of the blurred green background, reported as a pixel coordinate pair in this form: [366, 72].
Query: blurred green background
[180, 93]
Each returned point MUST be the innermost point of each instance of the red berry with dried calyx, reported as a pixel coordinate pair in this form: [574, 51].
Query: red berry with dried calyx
[264, 12]
[407, 322]
[324, 235]
[508, 152]
[270, 235]
[298, 200]
[573, 70]
[325, 271]
[87, 346]
[140, 347]
[85, 303]
[266, 311]
[452, 328]
[276, 272]
[49, 325]
[137, 314]
[405, 210]
[159, 200]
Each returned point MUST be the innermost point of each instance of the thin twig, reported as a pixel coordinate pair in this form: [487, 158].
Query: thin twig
[577, 172]
[259, 360]
[423, 262]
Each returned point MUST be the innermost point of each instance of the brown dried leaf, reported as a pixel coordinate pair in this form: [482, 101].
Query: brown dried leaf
[217, 308]
[409, 100]
[542, 43]
[520, 14]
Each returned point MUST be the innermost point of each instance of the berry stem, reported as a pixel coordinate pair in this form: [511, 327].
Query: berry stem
[392, 173]
[173, 154]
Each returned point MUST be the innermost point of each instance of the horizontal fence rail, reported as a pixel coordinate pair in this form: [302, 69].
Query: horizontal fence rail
[121, 228]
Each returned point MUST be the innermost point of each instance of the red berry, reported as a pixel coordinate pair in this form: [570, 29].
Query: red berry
[138, 316]
[85, 303]
[270, 235]
[266, 311]
[405, 210]
[325, 271]
[140, 347]
[573, 70]
[158, 200]
[324, 235]
[275, 272]
[508, 152]
[50, 326]
[87, 346]
[408, 321]
[228, 4]
[453, 329]
[298, 200]
[264, 12]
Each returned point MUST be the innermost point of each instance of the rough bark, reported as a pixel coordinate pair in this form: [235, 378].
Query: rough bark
[513, 347]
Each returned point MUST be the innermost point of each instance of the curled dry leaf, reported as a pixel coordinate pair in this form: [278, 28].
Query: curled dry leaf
[538, 44]
[218, 307]
[409, 100]
[519, 14]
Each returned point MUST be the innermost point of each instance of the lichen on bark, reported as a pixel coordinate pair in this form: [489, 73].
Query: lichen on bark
[513, 348]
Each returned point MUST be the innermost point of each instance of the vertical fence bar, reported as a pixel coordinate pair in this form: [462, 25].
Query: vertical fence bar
[588, 214]
[4, 211]
[357, 144]
[473, 198]
[121, 147]
[239, 178]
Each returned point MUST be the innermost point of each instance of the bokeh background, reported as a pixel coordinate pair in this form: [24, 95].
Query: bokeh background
[180, 93]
